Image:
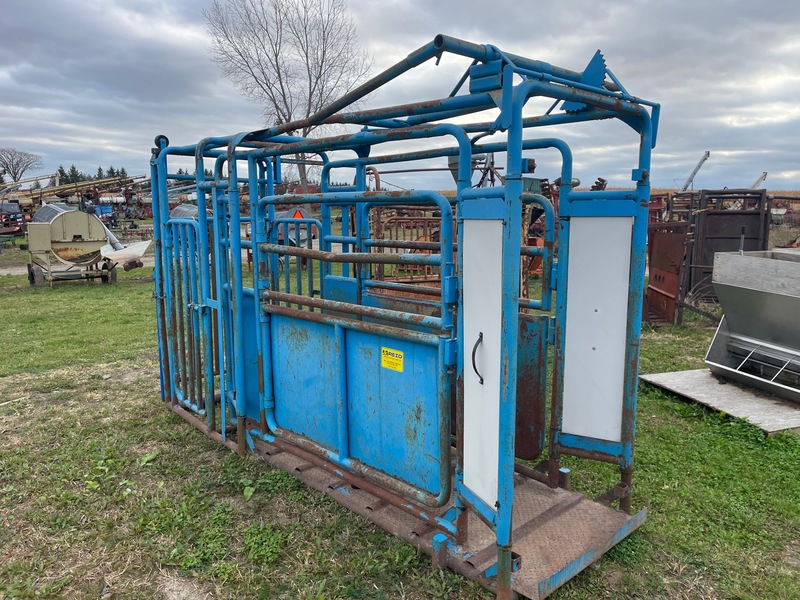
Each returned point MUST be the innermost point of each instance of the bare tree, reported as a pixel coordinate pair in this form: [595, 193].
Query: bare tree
[293, 57]
[15, 163]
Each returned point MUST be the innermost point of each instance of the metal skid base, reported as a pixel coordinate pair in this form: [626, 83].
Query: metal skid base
[557, 533]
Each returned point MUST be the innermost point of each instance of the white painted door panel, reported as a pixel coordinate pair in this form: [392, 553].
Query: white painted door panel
[482, 293]
[596, 324]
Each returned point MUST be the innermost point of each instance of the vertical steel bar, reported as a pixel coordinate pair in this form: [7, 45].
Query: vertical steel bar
[174, 317]
[157, 175]
[342, 413]
[220, 277]
[508, 344]
[237, 298]
[310, 263]
[196, 304]
[187, 379]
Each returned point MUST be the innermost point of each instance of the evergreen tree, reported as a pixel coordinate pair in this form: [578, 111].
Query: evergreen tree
[62, 175]
[111, 171]
[73, 175]
[122, 173]
[99, 174]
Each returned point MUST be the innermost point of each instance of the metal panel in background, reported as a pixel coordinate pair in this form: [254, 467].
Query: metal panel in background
[723, 221]
[681, 250]
[667, 254]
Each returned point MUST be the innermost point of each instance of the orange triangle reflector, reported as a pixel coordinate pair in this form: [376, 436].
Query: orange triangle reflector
[297, 215]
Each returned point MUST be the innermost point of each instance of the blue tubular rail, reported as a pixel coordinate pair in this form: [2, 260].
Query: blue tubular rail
[319, 353]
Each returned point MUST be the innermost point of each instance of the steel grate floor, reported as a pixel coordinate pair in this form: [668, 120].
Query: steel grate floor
[557, 533]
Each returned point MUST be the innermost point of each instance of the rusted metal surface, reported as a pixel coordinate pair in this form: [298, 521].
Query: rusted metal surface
[78, 254]
[681, 251]
[409, 228]
[657, 210]
[357, 482]
[540, 513]
[666, 249]
[353, 257]
[533, 264]
[194, 421]
[531, 388]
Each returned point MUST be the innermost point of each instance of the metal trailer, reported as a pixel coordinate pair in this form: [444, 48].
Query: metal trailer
[12, 221]
[65, 243]
[419, 406]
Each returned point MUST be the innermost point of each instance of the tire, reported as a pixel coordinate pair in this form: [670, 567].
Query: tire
[35, 275]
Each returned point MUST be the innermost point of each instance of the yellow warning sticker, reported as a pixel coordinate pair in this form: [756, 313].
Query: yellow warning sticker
[391, 359]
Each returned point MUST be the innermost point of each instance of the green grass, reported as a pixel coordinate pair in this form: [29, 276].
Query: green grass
[76, 323]
[107, 494]
[12, 256]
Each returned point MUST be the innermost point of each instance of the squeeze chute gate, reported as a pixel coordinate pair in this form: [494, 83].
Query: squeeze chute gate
[407, 376]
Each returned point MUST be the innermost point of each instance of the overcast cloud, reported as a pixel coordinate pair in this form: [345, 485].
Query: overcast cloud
[91, 82]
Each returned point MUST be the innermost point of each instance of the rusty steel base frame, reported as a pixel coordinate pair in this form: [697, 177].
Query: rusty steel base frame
[557, 533]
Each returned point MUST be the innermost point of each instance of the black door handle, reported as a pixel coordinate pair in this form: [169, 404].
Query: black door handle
[474, 350]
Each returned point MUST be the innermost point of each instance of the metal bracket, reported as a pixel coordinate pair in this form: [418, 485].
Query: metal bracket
[619, 491]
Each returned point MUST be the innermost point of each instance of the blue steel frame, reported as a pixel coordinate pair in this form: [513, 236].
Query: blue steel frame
[198, 264]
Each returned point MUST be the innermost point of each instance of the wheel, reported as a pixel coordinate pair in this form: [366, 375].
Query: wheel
[35, 275]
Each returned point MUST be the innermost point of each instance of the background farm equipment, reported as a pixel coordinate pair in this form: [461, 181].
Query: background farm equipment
[696, 226]
[758, 340]
[12, 221]
[65, 244]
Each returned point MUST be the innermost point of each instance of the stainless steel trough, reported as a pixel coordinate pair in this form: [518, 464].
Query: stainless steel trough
[758, 340]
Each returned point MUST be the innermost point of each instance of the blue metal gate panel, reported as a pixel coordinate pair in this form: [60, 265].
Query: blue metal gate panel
[250, 359]
[394, 419]
[306, 365]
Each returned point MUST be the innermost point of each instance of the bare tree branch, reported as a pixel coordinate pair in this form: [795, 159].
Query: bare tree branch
[293, 57]
[16, 163]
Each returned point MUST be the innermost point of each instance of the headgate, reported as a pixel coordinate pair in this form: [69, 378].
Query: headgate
[406, 372]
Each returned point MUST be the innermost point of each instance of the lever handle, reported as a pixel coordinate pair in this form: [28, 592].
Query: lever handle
[474, 350]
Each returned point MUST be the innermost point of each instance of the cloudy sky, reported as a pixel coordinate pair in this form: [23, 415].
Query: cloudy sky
[91, 82]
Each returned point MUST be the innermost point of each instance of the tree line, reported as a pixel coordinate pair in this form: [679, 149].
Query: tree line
[73, 175]
[15, 163]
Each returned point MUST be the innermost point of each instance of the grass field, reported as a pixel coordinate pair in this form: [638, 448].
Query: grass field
[105, 494]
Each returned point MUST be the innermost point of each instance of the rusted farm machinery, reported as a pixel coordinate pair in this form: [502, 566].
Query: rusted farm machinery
[64, 243]
[695, 226]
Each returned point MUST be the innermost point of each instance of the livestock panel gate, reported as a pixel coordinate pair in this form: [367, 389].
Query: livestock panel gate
[438, 407]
